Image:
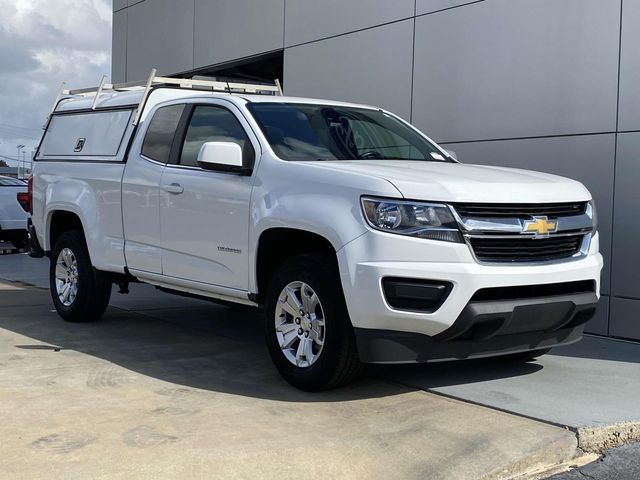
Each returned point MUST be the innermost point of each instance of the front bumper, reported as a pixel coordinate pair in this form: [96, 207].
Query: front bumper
[367, 260]
[486, 328]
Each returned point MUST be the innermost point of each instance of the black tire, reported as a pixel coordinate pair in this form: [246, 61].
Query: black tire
[526, 356]
[338, 362]
[92, 298]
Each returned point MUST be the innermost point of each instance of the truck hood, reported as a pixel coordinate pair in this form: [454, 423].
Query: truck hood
[456, 182]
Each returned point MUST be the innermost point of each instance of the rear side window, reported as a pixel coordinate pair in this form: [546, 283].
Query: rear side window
[161, 131]
[214, 124]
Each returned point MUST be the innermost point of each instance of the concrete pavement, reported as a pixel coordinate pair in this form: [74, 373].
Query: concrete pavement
[593, 383]
[589, 388]
[22, 268]
[138, 396]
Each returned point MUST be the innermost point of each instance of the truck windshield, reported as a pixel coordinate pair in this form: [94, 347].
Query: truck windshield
[303, 132]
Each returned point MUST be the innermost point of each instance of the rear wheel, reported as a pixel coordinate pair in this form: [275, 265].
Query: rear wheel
[308, 331]
[526, 356]
[74, 290]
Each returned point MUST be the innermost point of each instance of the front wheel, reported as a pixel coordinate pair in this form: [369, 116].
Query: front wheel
[308, 331]
[74, 290]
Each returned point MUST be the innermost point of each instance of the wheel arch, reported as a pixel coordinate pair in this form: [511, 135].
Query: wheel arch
[60, 221]
[278, 244]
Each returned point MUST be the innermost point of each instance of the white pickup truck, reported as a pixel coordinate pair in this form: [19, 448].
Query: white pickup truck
[13, 217]
[360, 238]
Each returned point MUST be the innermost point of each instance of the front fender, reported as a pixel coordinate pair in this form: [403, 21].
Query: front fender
[297, 195]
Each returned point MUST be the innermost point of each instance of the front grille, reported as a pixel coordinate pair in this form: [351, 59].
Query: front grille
[524, 210]
[525, 249]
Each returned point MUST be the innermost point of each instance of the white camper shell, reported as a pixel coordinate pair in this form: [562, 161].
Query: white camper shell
[96, 124]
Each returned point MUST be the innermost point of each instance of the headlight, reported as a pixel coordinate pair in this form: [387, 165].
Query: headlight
[424, 220]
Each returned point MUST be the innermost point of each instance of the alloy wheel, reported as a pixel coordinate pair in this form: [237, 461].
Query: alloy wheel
[66, 277]
[300, 324]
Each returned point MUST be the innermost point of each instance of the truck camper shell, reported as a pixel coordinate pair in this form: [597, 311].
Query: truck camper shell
[97, 124]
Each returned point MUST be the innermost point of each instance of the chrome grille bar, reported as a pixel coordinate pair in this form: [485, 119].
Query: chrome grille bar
[500, 238]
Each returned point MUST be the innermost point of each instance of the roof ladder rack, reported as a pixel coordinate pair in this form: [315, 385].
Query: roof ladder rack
[61, 93]
[157, 81]
[147, 89]
[100, 87]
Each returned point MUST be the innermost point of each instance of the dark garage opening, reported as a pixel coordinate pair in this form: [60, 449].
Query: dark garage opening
[260, 68]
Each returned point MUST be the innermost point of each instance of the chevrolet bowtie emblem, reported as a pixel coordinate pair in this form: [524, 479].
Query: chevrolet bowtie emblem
[540, 226]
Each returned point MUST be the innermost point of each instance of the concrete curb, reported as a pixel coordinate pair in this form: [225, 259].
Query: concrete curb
[599, 439]
[560, 451]
[588, 444]
[545, 472]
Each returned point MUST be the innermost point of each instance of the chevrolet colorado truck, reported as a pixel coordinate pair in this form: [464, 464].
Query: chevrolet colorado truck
[360, 238]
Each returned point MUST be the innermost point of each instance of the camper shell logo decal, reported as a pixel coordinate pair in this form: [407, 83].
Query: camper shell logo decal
[79, 144]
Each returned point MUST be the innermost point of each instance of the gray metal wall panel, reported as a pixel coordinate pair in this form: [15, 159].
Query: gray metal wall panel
[312, 20]
[588, 159]
[159, 34]
[119, 5]
[599, 324]
[119, 47]
[492, 69]
[428, 6]
[504, 69]
[351, 68]
[629, 118]
[232, 29]
[626, 254]
[625, 321]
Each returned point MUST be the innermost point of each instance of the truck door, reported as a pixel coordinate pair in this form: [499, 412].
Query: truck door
[141, 189]
[204, 214]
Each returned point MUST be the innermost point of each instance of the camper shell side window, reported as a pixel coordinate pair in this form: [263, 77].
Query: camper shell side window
[87, 136]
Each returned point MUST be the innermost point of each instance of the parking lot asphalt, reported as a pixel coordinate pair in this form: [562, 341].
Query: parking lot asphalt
[622, 463]
[181, 386]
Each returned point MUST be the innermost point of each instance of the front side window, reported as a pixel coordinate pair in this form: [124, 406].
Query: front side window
[213, 124]
[324, 132]
[162, 129]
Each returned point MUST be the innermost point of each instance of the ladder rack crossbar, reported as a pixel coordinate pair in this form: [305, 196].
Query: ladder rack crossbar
[157, 81]
[213, 85]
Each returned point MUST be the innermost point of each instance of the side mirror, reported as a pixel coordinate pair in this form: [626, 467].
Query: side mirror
[452, 154]
[223, 157]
